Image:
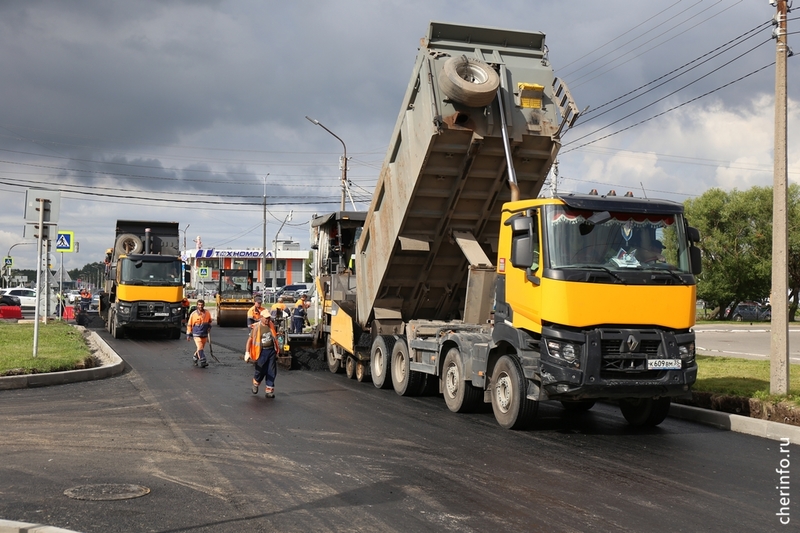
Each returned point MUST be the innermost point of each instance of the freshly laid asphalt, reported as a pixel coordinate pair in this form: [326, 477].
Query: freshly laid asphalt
[113, 364]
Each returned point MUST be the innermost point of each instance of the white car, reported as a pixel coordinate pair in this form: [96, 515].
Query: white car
[27, 298]
[73, 296]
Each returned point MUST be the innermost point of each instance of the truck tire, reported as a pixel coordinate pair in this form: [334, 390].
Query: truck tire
[645, 412]
[116, 329]
[469, 81]
[362, 371]
[405, 381]
[380, 355]
[459, 395]
[334, 365]
[350, 367]
[512, 409]
[175, 333]
[128, 243]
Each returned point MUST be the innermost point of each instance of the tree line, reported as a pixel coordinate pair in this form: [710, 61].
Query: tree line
[736, 244]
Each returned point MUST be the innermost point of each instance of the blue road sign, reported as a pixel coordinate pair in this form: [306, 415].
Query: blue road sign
[65, 241]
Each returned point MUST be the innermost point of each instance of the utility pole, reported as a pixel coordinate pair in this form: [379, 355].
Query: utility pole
[779, 298]
[275, 258]
[263, 276]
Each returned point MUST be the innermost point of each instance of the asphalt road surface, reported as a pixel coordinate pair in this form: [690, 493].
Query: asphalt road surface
[332, 454]
[747, 340]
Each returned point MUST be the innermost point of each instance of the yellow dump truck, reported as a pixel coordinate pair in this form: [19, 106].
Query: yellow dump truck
[144, 279]
[460, 279]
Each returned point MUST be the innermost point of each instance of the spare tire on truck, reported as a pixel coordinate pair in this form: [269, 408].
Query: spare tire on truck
[128, 243]
[469, 81]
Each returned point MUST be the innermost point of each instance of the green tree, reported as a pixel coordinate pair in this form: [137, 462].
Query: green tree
[736, 242]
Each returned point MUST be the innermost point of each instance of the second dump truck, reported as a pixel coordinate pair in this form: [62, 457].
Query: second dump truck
[144, 279]
[461, 280]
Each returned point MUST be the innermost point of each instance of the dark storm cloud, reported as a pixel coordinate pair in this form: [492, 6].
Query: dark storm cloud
[189, 100]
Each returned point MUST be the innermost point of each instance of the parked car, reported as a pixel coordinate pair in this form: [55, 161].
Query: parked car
[6, 299]
[292, 291]
[73, 296]
[27, 297]
[751, 312]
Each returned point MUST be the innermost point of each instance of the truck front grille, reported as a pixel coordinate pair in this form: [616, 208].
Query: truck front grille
[152, 311]
[620, 362]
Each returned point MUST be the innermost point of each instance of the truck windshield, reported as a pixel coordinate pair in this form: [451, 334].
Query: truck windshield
[148, 272]
[626, 241]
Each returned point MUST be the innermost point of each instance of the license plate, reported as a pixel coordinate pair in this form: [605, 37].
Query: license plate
[160, 314]
[663, 364]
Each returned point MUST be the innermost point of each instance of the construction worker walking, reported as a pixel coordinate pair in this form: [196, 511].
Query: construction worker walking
[253, 318]
[198, 328]
[263, 351]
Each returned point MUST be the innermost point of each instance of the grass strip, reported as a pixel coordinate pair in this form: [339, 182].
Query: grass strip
[749, 378]
[60, 347]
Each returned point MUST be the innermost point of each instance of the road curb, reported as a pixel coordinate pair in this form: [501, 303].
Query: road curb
[737, 423]
[114, 366]
[7, 526]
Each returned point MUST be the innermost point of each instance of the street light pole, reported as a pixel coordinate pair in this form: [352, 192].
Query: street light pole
[344, 159]
[263, 276]
[184, 236]
[8, 282]
[275, 257]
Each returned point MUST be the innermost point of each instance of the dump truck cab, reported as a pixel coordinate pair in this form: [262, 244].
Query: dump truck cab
[602, 289]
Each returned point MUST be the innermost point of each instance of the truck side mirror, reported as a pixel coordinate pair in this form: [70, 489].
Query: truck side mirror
[187, 276]
[696, 260]
[692, 234]
[525, 245]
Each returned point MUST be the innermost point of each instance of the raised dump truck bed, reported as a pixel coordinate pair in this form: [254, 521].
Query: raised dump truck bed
[445, 175]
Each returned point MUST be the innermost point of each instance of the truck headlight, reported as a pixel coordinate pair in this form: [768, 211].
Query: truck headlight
[565, 351]
[686, 351]
[124, 309]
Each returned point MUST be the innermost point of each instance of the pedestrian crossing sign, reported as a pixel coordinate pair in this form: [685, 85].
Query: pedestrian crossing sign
[204, 273]
[65, 241]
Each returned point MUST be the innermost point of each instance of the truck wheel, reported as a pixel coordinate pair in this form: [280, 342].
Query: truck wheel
[469, 81]
[578, 406]
[645, 412]
[350, 367]
[459, 395]
[176, 333]
[128, 243]
[405, 381]
[512, 409]
[333, 364]
[379, 358]
[362, 371]
[116, 329]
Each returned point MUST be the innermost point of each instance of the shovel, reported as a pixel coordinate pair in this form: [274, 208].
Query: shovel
[211, 349]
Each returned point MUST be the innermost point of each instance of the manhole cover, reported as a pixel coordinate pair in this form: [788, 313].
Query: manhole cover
[106, 491]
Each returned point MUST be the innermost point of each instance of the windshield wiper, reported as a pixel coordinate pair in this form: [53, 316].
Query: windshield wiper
[600, 267]
[671, 272]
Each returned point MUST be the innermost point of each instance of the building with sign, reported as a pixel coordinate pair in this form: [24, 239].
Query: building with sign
[291, 264]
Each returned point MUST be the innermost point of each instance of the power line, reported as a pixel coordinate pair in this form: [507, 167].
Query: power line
[668, 110]
[618, 37]
[739, 38]
[673, 92]
[575, 85]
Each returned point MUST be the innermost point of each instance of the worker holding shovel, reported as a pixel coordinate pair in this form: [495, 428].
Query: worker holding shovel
[199, 328]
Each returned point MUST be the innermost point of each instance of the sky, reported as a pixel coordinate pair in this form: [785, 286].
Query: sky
[189, 111]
